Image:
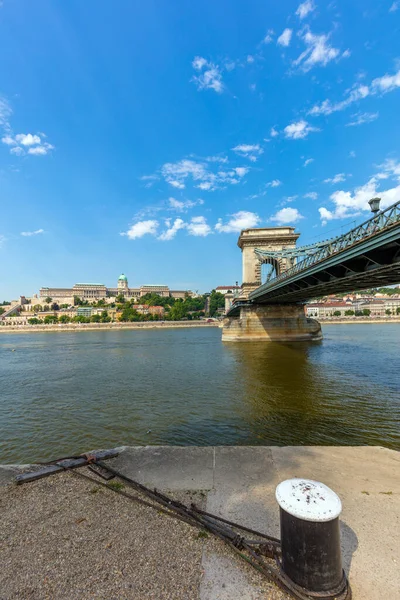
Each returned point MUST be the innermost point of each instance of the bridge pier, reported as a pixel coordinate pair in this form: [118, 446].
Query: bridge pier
[271, 323]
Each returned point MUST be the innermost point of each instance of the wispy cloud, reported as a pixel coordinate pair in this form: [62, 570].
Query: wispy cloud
[171, 232]
[338, 178]
[5, 112]
[318, 51]
[241, 220]
[269, 37]
[305, 8]
[311, 195]
[286, 216]
[29, 233]
[299, 130]
[274, 132]
[209, 75]
[200, 173]
[274, 183]
[250, 151]
[308, 161]
[383, 85]
[395, 6]
[285, 37]
[183, 205]
[361, 118]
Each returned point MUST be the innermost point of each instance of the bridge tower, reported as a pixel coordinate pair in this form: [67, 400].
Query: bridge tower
[271, 238]
[267, 322]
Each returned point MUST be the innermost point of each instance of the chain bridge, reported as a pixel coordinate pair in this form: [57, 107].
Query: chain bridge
[364, 257]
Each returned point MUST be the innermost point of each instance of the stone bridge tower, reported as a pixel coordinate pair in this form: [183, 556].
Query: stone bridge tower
[271, 238]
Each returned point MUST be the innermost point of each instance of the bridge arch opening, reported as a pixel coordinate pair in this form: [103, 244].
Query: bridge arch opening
[270, 269]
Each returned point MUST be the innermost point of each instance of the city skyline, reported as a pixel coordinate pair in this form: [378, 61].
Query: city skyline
[146, 138]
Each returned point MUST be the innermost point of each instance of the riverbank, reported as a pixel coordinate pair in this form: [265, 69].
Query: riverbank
[358, 321]
[135, 552]
[61, 327]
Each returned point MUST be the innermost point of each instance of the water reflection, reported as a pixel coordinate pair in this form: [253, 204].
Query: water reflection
[62, 394]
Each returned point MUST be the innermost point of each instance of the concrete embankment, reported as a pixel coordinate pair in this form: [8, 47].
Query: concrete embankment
[64, 534]
[358, 321]
[61, 327]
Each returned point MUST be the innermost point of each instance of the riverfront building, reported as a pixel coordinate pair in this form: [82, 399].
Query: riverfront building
[98, 291]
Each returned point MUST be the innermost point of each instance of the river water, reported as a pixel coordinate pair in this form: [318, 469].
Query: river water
[66, 393]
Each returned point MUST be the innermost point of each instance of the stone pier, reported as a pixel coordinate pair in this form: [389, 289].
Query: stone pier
[269, 323]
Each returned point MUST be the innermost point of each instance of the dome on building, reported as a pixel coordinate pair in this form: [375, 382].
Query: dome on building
[122, 277]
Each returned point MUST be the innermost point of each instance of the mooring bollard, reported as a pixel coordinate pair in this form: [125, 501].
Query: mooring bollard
[310, 538]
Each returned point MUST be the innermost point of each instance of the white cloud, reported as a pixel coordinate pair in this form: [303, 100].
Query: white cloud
[183, 205]
[29, 233]
[285, 216]
[274, 183]
[7, 139]
[241, 220]
[299, 130]
[336, 179]
[312, 195]
[5, 111]
[395, 6]
[198, 227]
[349, 204]
[171, 232]
[250, 151]
[352, 154]
[305, 8]
[220, 159]
[274, 132]
[318, 51]
[269, 37]
[199, 63]
[17, 150]
[241, 171]
[27, 139]
[361, 118]
[308, 161]
[209, 77]
[387, 83]
[250, 59]
[141, 228]
[2, 240]
[177, 174]
[41, 150]
[285, 37]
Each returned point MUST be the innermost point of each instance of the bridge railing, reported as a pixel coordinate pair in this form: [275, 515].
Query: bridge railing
[384, 219]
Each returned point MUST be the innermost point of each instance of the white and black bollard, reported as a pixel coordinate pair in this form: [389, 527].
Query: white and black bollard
[310, 537]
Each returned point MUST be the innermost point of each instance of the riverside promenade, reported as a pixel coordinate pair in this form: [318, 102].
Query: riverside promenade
[61, 327]
[63, 534]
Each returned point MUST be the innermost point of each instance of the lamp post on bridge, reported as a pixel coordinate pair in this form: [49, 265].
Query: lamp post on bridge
[374, 204]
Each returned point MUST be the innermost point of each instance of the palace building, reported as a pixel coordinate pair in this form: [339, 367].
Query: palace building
[98, 291]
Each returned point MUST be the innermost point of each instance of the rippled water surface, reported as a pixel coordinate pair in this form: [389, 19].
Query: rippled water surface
[66, 393]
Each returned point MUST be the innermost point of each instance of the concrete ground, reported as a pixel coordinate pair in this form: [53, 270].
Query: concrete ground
[239, 484]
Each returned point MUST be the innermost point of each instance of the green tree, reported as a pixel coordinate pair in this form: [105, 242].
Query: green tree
[177, 312]
[37, 307]
[80, 319]
[366, 312]
[398, 310]
[337, 313]
[359, 313]
[217, 301]
[130, 314]
[120, 299]
[34, 321]
[55, 306]
[2, 310]
[48, 300]
[95, 319]
[46, 308]
[349, 313]
[64, 319]
[64, 305]
[104, 317]
[388, 312]
[50, 319]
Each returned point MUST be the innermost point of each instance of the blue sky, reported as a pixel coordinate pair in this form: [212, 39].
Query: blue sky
[140, 137]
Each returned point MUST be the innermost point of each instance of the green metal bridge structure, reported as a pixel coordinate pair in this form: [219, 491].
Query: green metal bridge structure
[364, 257]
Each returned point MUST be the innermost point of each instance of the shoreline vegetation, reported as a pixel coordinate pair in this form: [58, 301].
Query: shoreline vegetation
[61, 327]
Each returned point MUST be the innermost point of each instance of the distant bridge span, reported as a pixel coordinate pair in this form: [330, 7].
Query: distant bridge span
[367, 256]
